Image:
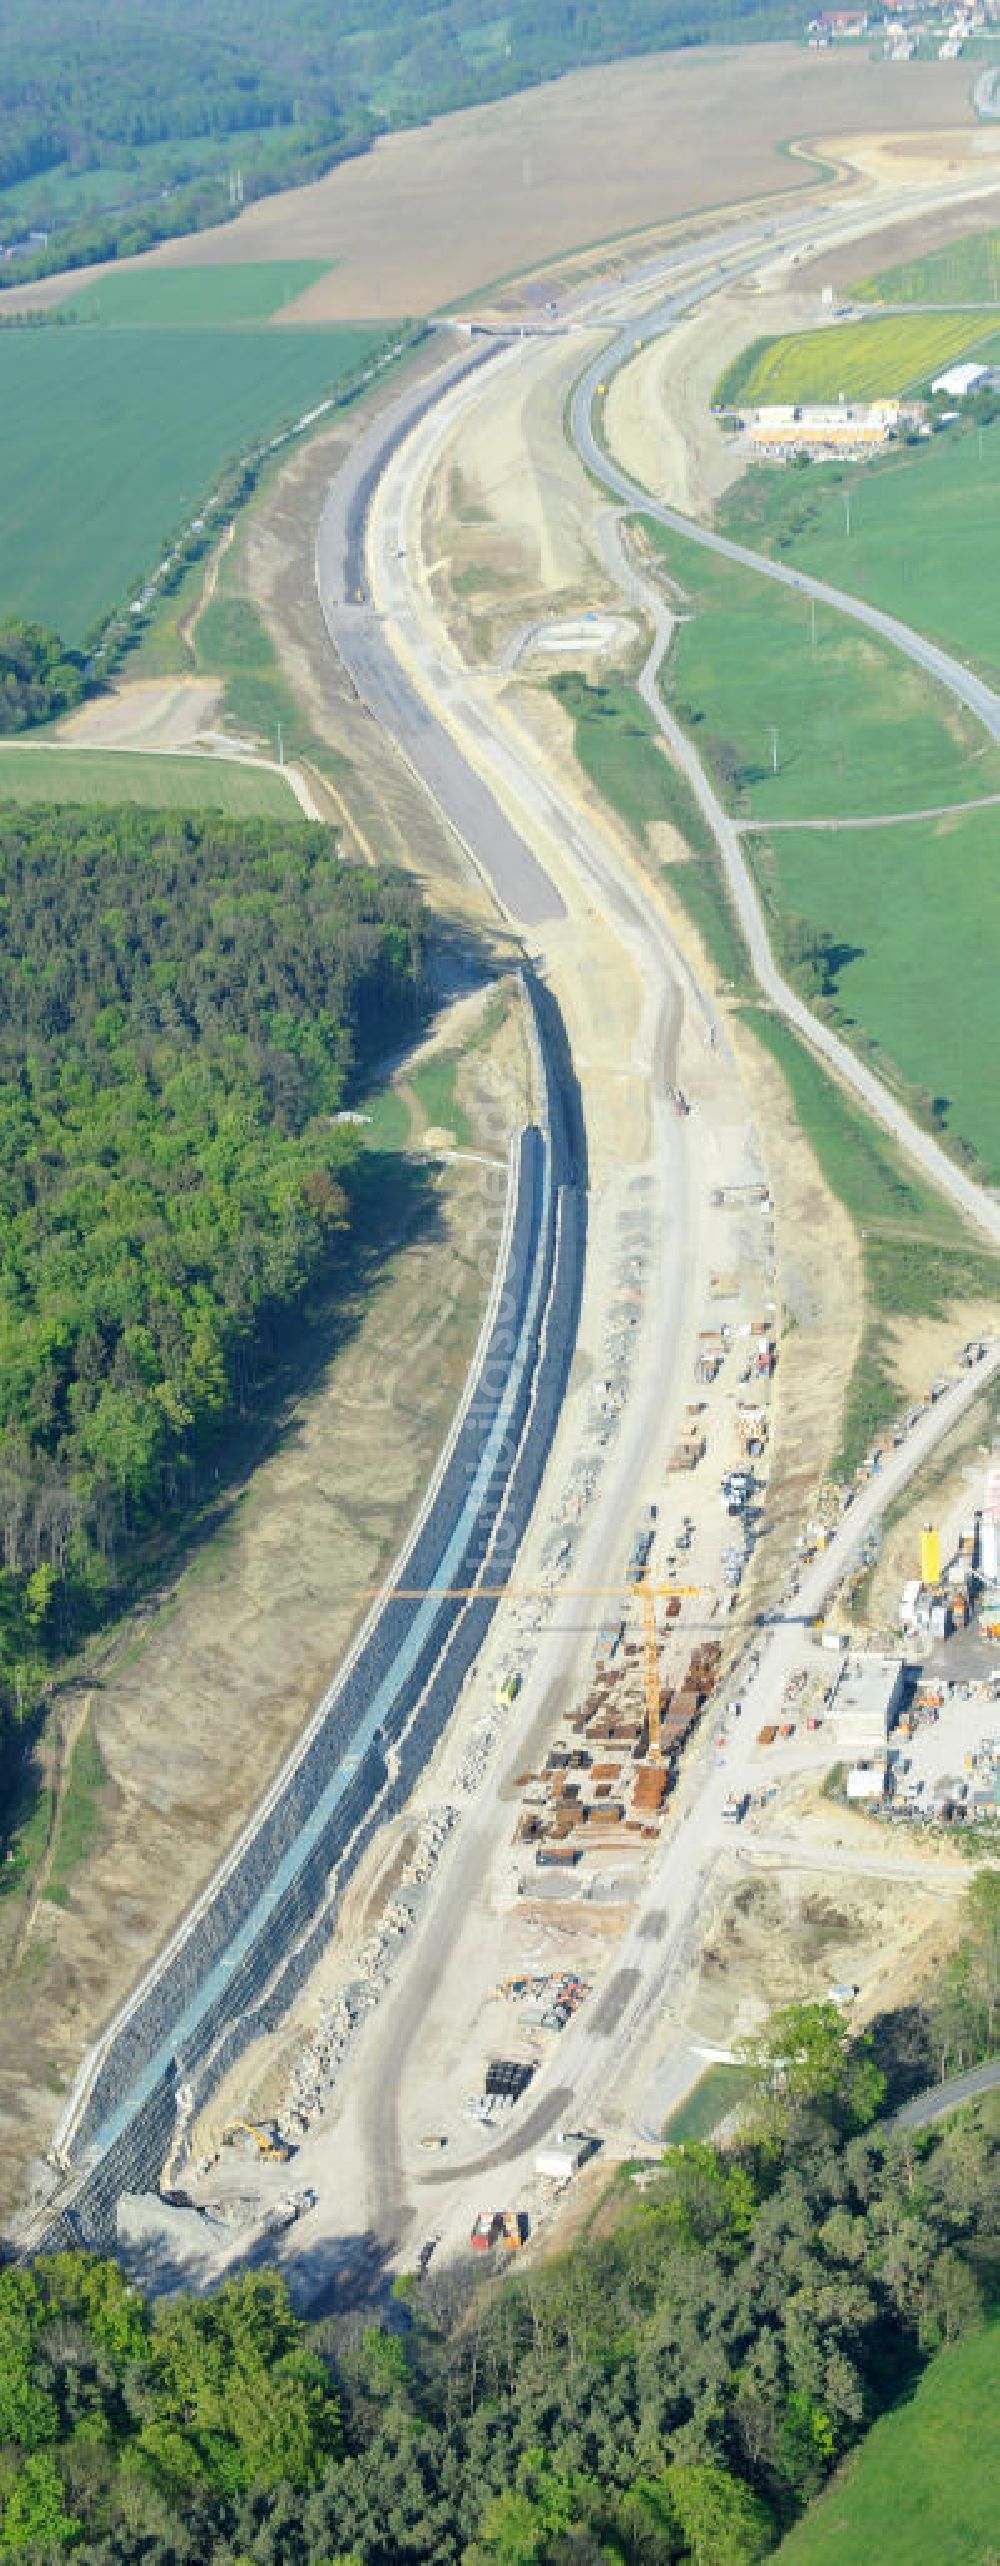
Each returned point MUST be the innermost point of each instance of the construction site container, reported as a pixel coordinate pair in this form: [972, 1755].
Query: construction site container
[558, 2164]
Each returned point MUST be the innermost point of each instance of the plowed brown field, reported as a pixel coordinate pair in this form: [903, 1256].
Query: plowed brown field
[441, 212]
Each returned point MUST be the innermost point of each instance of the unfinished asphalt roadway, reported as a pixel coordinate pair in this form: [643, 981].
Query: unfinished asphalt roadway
[521, 886]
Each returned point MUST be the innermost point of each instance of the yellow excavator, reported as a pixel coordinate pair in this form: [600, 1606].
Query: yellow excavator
[266, 2140]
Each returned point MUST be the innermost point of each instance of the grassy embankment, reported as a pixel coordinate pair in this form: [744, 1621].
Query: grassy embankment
[708, 2104]
[916, 532]
[78, 1818]
[616, 743]
[918, 1260]
[116, 428]
[924, 2488]
[854, 360]
[966, 271]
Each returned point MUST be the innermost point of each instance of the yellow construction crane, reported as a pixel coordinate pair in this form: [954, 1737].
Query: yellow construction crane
[644, 1593]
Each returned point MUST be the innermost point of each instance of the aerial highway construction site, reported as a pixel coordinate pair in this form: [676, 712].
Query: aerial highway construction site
[562, 1827]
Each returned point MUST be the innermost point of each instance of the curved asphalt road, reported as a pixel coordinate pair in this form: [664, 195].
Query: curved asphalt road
[951, 673]
[974, 1202]
[933, 2104]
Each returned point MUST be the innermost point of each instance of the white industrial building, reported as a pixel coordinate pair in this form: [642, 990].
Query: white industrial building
[959, 380]
[786, 427]
[867, 1697]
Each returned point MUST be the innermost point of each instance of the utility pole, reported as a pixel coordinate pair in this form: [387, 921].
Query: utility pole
[774, 747]
[847, 512]
[281, 746]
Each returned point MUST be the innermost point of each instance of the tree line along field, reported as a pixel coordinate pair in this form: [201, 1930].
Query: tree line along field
[967, 271]
[125, 127]
[113, 437]
[926, 2484]
[924, 538]
[859, 360]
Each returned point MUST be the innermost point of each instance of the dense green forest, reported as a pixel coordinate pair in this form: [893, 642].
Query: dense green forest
[675, 2386]
[181, 1001]
[122, 126]
[39, 678]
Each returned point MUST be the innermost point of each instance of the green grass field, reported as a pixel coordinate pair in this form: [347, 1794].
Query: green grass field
[194, 298]
[40, 771]
[916, 914]
[924, 2488]
[859, 360]
[616, 741]
[231, 642]
[924, 538]
[111, 436]
[967, 271]
[434, 1088]
[859, 730]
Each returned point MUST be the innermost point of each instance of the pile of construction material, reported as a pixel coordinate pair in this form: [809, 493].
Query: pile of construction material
[610, 1785]
[689, 1448]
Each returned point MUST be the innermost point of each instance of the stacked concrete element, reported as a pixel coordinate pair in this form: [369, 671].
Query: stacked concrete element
[239, 1957]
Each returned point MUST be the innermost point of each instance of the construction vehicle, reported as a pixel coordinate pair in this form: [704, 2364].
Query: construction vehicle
[642, 1591]
[267, 2140]
[487, 2231]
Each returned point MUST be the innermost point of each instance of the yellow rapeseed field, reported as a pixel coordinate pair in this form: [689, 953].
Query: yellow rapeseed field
[864, 360]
